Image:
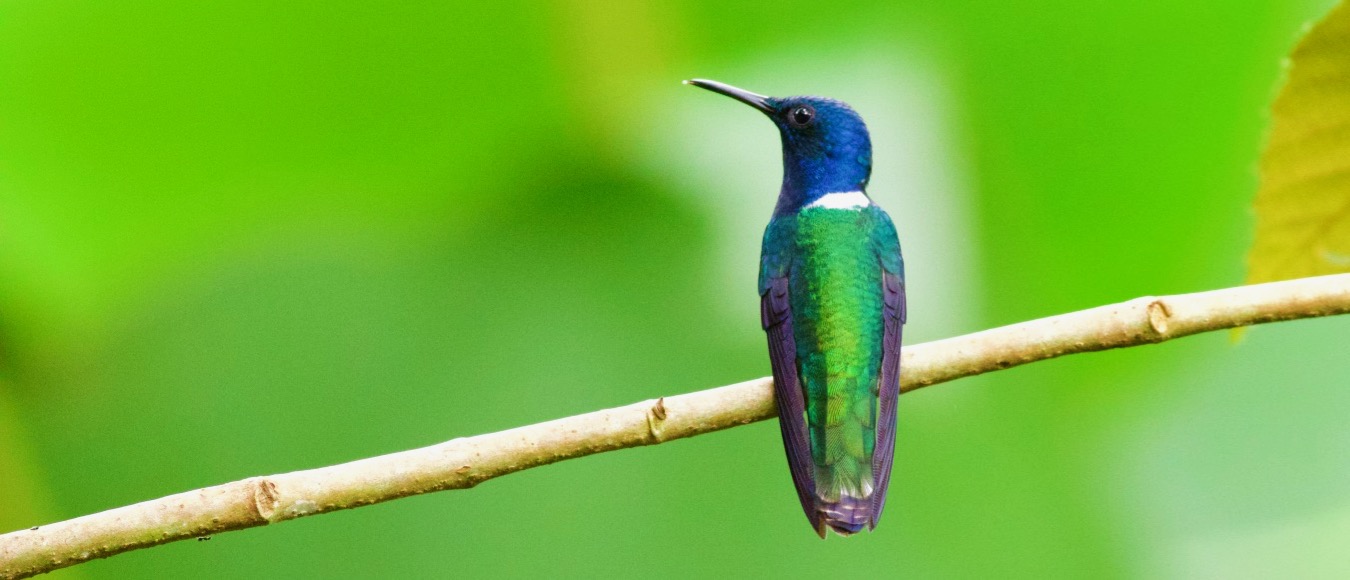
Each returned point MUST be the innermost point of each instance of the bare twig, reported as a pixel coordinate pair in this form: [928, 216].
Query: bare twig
[465, 462]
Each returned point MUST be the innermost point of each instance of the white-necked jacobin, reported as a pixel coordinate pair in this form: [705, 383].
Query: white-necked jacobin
[832, 302]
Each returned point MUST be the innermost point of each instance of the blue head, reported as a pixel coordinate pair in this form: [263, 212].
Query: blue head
[826, 148]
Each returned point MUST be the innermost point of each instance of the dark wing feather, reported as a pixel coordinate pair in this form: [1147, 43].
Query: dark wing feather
[888, 387]
[776, 316]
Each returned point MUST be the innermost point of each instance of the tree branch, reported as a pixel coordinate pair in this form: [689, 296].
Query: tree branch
[465, 462]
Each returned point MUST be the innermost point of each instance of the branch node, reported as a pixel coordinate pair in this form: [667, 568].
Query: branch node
[265, 498]
[656, 416]
[1158, 315]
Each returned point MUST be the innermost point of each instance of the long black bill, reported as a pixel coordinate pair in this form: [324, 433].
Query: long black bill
[760, 102]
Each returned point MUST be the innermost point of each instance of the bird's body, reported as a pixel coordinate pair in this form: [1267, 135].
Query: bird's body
[832, 304]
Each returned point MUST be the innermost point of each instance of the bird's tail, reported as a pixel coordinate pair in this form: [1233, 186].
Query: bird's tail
[844, 483]
[847, 516]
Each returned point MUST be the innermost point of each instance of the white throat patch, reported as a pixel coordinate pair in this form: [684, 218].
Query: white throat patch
[841, 200]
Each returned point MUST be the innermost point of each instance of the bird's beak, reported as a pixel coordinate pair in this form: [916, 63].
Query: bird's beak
[760, 102]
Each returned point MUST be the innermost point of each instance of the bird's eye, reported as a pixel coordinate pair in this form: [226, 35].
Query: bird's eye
[802, 115]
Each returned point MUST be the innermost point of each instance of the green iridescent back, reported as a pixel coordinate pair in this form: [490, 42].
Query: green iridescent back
[836, 297]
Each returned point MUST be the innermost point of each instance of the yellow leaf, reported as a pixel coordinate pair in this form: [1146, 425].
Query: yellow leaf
[1303, 205]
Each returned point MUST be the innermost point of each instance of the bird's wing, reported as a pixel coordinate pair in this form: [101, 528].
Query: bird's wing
[776, 316]
[887, 246]
[775, 309]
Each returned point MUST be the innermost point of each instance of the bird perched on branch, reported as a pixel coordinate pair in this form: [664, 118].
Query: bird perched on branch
[832, 301]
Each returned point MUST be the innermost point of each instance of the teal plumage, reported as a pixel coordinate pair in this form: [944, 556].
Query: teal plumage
[832, 304]
[837, 298]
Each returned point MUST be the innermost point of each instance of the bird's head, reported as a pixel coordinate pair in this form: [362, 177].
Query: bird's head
[826, 148]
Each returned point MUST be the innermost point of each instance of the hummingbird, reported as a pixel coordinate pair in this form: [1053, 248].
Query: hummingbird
[832, 304]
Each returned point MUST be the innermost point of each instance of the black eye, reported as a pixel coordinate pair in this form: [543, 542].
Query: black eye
[802, 115]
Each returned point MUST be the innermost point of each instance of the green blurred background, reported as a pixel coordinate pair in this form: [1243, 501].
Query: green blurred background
[247, 237]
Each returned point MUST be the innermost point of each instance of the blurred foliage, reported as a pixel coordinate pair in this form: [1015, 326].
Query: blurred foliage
[25, 505]
[247, 237]
[1303, 206]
